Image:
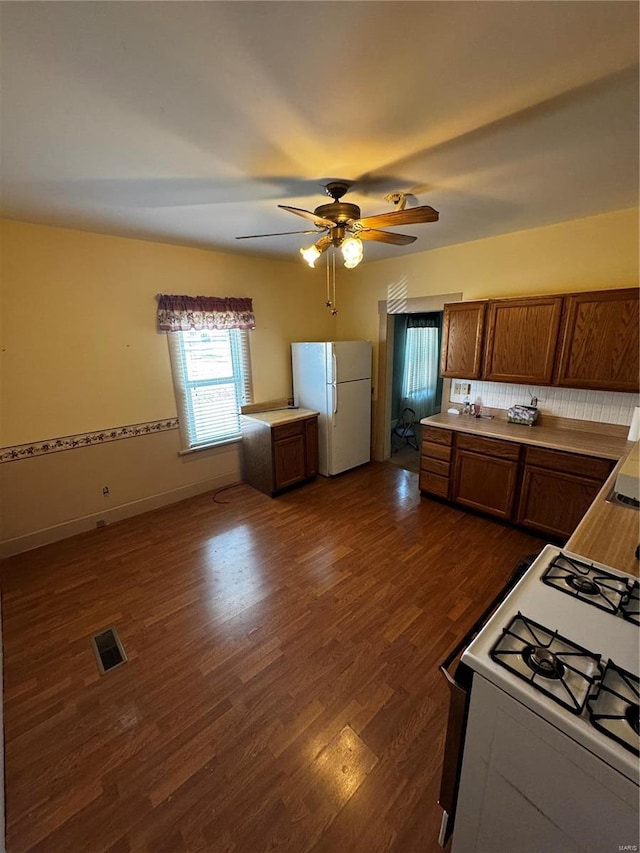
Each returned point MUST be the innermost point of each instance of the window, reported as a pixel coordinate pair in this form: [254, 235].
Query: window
[421, 385]
[212, 378]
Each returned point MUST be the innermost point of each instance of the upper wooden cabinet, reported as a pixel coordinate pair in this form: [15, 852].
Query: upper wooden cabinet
[462, 339]
[581, 340]
[599, 341]
[521, 339]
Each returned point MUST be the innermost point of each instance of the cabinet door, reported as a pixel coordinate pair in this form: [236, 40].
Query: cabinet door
[485, 483]
[599, 345]
[288, 461]
[462, 337]
[521, 341]
[311, 447]
[554, 502]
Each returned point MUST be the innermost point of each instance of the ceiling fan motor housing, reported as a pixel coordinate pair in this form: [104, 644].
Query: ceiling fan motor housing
[339, 212]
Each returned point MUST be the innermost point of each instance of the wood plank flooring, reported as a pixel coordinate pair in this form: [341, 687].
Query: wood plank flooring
[282, 690]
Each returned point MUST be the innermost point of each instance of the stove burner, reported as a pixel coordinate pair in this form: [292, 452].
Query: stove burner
[588, 583]
[543, 662]
[615, 708]
[632, 716]
[548, 662]
[583, 585]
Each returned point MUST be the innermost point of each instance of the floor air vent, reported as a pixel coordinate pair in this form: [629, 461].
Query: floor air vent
[108, 649]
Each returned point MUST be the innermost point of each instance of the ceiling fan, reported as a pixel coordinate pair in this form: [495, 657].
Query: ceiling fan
[340, 224]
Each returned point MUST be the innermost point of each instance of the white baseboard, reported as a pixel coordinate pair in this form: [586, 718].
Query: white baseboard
[47, 535]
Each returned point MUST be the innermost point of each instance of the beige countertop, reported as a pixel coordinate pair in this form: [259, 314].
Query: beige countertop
[555, 437]
[276, 417]
[609, 533]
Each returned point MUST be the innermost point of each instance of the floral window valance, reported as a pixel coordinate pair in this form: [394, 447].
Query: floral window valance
[181, 313]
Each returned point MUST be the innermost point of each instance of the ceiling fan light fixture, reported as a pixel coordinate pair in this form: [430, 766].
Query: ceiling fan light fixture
[310, 255]
[352, 252]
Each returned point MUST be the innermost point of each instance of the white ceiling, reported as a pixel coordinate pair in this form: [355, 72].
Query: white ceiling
[189, 122]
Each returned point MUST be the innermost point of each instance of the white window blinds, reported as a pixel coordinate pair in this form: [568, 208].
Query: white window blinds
[212, 378]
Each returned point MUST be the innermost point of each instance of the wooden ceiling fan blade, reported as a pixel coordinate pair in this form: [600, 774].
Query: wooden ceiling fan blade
[410, 216]
[277, 234]
[317, 220]
[385, 237]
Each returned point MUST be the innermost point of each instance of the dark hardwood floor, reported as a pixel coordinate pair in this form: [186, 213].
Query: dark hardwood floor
[282, 690]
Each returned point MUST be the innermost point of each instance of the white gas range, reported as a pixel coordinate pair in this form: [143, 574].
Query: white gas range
[549, 725]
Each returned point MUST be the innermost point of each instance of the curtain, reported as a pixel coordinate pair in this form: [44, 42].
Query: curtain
[182, 313]
[420, 380]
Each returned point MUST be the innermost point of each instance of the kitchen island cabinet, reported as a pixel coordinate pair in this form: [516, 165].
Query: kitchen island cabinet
[279, 449]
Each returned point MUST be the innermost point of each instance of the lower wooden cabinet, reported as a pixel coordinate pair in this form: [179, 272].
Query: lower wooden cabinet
[546, 490]
[276, 457]
[435, 461]
[557, 489]
[485, 475]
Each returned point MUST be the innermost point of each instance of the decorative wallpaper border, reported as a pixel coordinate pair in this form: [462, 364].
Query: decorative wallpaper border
[84, 439]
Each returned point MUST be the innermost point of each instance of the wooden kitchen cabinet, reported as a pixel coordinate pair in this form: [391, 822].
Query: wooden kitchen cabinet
[435, 461]
[599, 345]
[558, 488]
[521, 339]
[276, 456]
[485, 474]
[462, 339]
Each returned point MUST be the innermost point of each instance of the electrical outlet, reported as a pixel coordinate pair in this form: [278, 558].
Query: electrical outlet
[461, 387]
[101, 523]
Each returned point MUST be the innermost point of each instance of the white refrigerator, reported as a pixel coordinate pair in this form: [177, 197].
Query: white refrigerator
[334, 379]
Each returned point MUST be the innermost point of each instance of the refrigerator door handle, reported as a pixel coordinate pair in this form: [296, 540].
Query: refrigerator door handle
[334, 365]
[334, 407]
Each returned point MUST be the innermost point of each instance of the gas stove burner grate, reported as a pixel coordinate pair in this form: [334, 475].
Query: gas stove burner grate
[631, 605]
[588, 583]
[550, 663]
[615, 709]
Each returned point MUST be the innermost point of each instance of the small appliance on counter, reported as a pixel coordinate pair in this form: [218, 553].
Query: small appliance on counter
[628, 478]
[525, 415]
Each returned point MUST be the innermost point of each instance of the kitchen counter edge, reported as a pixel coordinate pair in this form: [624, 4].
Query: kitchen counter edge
[277, 417]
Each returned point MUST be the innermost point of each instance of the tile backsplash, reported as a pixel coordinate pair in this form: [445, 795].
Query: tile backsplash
[609, 407]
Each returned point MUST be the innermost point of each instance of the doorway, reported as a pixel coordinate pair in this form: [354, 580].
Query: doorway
[416, 385]
[382, 404]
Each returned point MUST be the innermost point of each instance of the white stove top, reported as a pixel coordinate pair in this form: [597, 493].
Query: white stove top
[598, 631]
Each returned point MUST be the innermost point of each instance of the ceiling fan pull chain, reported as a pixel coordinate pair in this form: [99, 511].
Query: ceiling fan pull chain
[328, 302]
[334, 309]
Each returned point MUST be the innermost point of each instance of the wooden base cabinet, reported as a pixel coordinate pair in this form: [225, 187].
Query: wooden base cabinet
[546, 490]
[485, 475]
[276, 457]
[435, 461]
[558, 488]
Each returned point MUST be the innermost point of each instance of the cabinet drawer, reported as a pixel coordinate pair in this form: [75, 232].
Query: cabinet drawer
[571, 463]
[435, 484]
[488, 446]
[434, 466]
[436, 451]
[439, 436]
[287, 430]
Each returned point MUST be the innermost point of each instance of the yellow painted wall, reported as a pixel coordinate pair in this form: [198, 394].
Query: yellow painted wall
[599, 252]
[80, 350]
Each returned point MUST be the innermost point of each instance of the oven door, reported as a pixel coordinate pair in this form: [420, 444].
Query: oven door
[459, 678]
